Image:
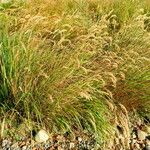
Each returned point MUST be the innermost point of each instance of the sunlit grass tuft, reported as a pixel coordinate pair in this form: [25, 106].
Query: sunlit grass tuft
[61, 61]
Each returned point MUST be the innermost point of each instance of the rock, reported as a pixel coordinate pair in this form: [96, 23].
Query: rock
[133, 136]
[139, 122]
[4, 143]
[137, 146]
[141, 135]
[72, 145]
[133, 141]
[24, 147]
[41, 136]
[79, 139]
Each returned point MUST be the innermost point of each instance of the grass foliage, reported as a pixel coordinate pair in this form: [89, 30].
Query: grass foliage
[61, 60]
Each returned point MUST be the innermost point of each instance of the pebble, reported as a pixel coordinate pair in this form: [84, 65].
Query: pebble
[79, 139]
[41, 136]
[133, 136]
[71, 145]
[137, 146]
[24, 147]
[4, 143]
[141, 135]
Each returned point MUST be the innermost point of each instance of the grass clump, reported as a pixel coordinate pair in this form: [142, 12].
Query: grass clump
[61, 61]
[44, 77]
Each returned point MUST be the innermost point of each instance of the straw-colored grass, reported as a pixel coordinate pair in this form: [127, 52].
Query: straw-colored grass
[60, 61]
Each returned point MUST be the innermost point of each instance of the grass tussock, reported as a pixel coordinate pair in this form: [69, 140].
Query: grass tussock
[61, 61]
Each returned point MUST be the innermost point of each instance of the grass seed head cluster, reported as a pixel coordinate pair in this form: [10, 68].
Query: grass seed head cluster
[61, 61]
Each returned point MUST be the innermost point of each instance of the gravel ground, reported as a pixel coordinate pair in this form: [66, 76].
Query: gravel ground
[139, 140]
[57, 143]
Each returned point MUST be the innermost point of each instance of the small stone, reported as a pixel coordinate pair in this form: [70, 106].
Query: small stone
[41, 136]
[139, 122]
[59, 148]
[117, 141]
[47, 145]
[141, 135]
[137, 146]
[59, 138]
[24, 147]
[78, 138]
[72, 145]
[134, 136]
[134, 141]
[4, 143]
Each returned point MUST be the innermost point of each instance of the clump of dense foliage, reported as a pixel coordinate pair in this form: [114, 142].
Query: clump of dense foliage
[62, 61]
